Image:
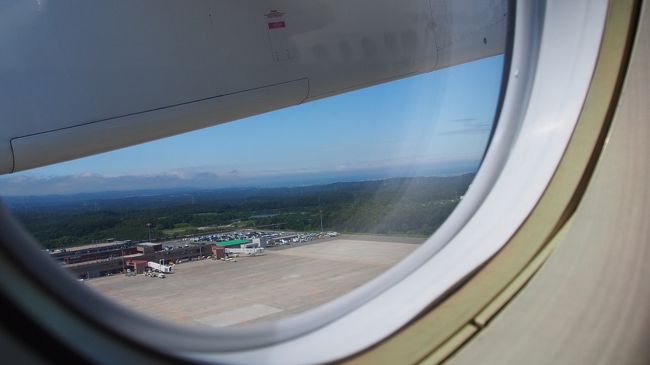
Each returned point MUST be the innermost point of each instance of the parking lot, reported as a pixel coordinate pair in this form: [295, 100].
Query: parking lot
[273, 285]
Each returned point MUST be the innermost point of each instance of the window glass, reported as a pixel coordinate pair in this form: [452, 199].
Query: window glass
[270, 215]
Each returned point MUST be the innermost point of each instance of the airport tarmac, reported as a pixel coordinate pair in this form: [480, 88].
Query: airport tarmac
[258, 288]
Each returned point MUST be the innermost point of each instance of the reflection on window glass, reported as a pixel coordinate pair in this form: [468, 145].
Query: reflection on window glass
[271, 215]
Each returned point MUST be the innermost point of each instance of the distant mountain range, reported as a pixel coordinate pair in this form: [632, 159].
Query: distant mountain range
[30, 184]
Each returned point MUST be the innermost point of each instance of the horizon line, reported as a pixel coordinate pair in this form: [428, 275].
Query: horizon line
[161, 189]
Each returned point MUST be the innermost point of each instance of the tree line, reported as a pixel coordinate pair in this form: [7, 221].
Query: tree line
[410, 206]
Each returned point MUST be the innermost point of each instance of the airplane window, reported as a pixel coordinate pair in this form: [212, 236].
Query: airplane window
[328, 180]
[271, 215]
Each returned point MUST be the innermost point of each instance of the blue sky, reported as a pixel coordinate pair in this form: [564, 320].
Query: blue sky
[413, 126]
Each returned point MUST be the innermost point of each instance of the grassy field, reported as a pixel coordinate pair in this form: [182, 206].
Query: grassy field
[181, 228]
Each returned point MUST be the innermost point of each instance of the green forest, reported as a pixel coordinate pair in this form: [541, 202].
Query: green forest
[405, 206]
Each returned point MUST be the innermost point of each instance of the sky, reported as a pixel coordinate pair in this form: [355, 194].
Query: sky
[430, 124]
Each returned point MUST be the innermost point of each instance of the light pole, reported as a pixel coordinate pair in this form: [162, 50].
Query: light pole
[320, 210]
[149, 226]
